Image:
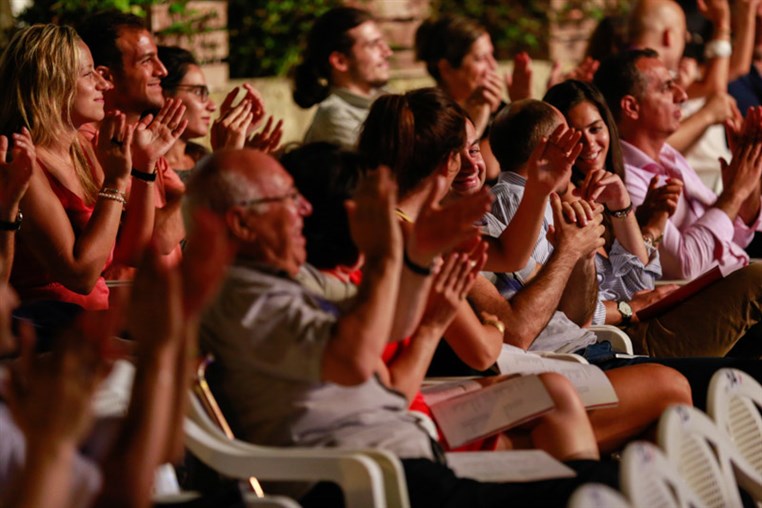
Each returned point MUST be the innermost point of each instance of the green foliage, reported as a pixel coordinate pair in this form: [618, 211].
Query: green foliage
[266, 36]
[523, 25]
[72, 11]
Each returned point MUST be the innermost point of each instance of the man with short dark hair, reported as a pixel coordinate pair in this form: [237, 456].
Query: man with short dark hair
[661, 25]
[343, 70]
[125, 54]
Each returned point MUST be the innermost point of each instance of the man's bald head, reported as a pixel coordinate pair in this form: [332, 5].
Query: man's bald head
[256, 199]
[661, 25]
[228, 177]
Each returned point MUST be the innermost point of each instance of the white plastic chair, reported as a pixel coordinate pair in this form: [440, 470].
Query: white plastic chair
[706, 458]
[597, 495]
[359, 477]
[270, 502]
[619, 340]
[734, 402]
[392, 485]
[650, 480]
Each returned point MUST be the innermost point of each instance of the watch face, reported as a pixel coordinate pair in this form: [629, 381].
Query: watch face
[625, 309]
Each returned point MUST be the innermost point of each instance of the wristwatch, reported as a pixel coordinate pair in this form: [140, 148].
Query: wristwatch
[625, 310]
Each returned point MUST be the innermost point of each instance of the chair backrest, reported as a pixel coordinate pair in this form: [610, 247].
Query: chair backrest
[649, 480]
[597, 495]
[203, 392]
[212, 436]
[706, 457]
[734, 402]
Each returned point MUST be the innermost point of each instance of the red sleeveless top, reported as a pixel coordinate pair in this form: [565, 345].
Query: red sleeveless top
[35, 283]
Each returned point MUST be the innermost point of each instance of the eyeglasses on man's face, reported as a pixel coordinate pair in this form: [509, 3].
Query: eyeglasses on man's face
[293, 195]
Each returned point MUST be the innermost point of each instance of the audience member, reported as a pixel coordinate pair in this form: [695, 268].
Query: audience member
[331, 175]
[262, 313]
[559, 332]
[708, 323]
[661, 25]
[186, 81]
[50, 397]
[459, 55]
[343, 69]
[477, 342]
[125, 55]
[76, 194]
[645, 101]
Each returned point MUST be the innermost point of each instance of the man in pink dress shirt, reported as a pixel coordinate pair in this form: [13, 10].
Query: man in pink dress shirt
[705, 228]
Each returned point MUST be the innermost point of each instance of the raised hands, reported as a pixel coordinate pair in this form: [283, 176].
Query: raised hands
[584, 71]
[718, 12]
[577, 227]
[372, 220]
[235, 123]
[605, 188]
[268, 139]
[451, 285]
[659, 204]
[114, 142]
[15, 175]
[484, 101]
[50, 396]
[549, 166]
[519, 82]
[439, 228]
[153, 137]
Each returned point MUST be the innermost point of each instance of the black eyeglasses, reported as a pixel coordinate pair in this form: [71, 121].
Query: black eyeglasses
[294, 195]
[202, 91]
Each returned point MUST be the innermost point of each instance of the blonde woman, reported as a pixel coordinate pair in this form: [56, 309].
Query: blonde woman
[76, 197]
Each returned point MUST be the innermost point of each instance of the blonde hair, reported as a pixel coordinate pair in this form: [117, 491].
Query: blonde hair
[39, 70]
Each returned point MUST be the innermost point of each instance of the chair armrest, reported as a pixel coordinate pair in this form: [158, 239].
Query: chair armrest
[619, 340]
[359, 476]
[567, 357]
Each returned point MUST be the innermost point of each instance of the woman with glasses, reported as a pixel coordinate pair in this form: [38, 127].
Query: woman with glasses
[185, 81]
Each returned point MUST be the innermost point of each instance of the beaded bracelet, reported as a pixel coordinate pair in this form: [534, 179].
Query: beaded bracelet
[113, 194]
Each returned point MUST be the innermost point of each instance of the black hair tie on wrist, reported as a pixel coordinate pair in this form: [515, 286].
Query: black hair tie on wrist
[142, 175]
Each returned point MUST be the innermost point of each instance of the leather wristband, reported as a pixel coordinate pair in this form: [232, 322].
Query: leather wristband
[12, 226]
[142, 175]
[424, 271]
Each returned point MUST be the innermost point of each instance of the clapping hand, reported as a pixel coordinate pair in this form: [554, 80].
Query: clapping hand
[154, 136]
[114, 142]
[551, 161]
[268, 139]
[15, 175]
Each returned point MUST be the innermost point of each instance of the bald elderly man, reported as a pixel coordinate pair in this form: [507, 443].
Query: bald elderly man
[298, 372]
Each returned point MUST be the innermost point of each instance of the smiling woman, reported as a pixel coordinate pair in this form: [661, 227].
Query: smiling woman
[186, 81]
[76, 194]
